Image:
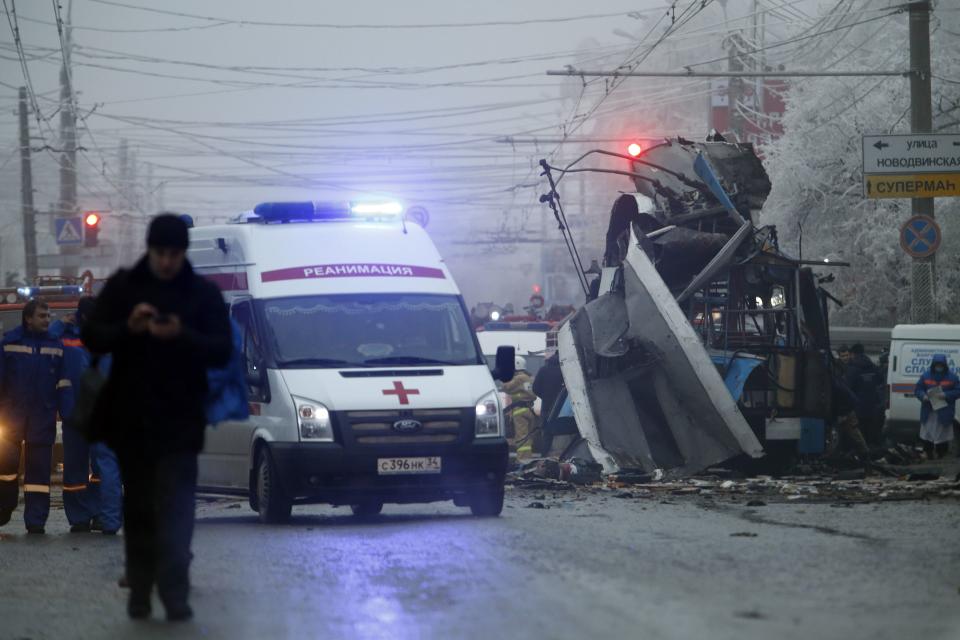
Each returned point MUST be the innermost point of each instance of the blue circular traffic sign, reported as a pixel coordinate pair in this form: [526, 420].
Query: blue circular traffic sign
[920, 236]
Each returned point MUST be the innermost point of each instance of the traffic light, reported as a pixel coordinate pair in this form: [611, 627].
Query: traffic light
[91, 228]
[634, 149]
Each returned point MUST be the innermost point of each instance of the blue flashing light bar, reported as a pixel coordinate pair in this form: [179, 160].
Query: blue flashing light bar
[308, 211]
[56, 290]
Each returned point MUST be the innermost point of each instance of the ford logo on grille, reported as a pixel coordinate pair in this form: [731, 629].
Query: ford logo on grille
[407, 426]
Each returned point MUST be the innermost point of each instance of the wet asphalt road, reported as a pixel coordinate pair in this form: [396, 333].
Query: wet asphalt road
[587, 566]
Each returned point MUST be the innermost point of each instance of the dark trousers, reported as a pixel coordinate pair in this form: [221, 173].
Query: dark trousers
[36, 481]
[158, 512]
[936, 450]
[79, 499]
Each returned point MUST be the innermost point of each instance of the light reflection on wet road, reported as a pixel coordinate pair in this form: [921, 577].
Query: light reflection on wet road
[586, 567]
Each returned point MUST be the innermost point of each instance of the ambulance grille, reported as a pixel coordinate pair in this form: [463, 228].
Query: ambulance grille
[439, 426]
[418, 439]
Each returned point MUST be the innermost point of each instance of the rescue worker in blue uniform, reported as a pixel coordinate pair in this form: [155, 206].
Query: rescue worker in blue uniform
[33, 388]
[938, 390]
[92, 501]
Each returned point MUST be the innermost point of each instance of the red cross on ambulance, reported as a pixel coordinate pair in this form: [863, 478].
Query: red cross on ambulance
[402, 393]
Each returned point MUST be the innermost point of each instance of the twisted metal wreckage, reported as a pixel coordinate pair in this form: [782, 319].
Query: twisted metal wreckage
[701, 339]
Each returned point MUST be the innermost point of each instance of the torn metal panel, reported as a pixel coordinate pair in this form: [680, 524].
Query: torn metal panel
[709, 176]
[736, 370]
[681, 253]
[658, 322]
[721, 260]
[608, 325]
[575, 380]
[661, 404]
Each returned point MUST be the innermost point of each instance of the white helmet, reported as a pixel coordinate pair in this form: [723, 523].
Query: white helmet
[520, 363]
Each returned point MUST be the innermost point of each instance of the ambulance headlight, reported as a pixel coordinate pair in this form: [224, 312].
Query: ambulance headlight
[489, 417]
[313, 420]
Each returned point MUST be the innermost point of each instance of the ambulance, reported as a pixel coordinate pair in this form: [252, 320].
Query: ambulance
[366, 382]
[912, 347]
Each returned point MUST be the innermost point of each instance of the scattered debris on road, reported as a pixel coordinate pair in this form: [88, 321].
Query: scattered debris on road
[838, 487]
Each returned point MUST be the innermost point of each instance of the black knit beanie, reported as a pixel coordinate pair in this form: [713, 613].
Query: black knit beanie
[168, 230]
[84, 309]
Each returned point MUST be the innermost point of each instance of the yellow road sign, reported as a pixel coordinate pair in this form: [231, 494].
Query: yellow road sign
[921, 185]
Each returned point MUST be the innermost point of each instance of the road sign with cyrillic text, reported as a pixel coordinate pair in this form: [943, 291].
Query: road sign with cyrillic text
[912, 165]
[911, 153]
[921, 185]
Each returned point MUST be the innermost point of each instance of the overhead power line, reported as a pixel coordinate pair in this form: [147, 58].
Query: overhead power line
[330, 25]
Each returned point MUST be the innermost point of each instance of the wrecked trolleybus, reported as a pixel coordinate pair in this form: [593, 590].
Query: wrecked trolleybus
[702, 340]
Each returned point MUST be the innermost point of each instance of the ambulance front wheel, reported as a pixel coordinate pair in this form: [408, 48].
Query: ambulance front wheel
[273, 505]
[488, 502]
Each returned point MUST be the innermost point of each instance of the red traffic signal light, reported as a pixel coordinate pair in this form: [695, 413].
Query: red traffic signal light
[634, 149]
[91, 228]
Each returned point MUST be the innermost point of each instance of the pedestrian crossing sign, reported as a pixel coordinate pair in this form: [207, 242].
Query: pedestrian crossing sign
[69, 231]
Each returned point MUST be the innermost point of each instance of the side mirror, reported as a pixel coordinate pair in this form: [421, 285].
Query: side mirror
[506, 364]
[256, 375]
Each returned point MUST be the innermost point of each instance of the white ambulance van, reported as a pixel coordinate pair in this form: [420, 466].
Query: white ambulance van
[912, 347]
[366, 382]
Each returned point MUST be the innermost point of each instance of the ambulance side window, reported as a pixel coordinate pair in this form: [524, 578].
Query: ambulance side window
[242, 314]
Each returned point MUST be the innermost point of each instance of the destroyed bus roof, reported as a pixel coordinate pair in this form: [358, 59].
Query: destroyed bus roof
[671, 166]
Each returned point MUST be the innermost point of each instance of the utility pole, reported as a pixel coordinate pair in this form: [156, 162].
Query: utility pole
[735, 59]
[68, 138]
[26, 191]
[924, 272]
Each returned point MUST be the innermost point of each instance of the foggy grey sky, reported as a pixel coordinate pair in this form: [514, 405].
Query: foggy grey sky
[313, 57]
[371, 112]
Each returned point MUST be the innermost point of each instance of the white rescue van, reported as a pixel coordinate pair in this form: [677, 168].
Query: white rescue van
[366, 382]
[529, 340]
[912, 347]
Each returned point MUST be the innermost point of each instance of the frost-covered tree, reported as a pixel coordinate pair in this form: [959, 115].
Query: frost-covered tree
[817, 201]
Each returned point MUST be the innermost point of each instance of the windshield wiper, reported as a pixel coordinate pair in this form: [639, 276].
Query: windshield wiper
[406, 360]
[319, 362]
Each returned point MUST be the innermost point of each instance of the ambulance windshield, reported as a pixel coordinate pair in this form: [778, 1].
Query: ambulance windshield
[369, 330]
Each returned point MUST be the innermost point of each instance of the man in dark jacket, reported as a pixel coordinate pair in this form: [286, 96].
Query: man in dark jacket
[165, 326]
[547, 386]
[862, 377]
[845, 418]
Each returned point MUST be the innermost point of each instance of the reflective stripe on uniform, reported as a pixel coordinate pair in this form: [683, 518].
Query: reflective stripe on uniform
[51, 351]
[36, 488]
[93, 479]
[74, 487]
[10, 477]
[17, 348]
[64, 384]
[72, 342]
